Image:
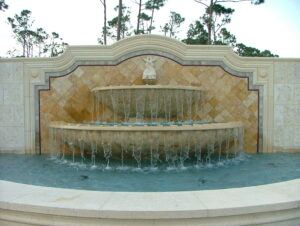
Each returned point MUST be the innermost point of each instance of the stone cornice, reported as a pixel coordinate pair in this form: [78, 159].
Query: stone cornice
[146, 42]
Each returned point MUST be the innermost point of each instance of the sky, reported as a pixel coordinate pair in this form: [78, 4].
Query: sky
[274, 25]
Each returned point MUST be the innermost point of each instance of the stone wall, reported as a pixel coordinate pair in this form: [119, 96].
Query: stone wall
[11, 107]
[286, 106]
[226, 99]
[276, 78]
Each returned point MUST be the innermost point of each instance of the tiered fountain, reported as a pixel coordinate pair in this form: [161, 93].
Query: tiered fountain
[152, 122]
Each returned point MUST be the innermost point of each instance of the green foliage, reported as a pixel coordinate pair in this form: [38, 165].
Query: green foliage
[153, 5]
[257, 2]
[22, 29]
[210, 28]
[3, 5]
[196, 34]
[225, 38]
[34, 42]
[103, 33]
[125, 24]
[143, 19]
[55, 45]
[207, 2]
[220, 10]
[243, 50]
[143, 27]
[39, 40]
[174, 23]
[217, 16]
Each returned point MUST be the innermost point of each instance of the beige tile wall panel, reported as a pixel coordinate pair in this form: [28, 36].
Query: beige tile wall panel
[226, 98]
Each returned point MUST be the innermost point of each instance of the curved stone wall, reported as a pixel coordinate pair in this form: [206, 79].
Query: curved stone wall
[272, 204]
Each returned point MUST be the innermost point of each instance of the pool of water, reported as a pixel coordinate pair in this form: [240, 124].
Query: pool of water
[244, 170]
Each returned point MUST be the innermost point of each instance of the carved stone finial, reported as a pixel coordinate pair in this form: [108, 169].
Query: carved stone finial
[149, 75]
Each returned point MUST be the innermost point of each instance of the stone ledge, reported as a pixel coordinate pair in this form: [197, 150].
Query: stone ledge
[248, 205]
[151, 87]
[196, 127]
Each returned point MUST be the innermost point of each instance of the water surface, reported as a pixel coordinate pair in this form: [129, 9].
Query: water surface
[245, 170]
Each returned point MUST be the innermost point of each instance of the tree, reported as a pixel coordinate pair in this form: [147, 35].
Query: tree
[39, 40]
[174, 22]
[221, 17]
[215, 18]
[243, 50]
[21, 26]
[216, 15]
[113, 25]
[153, 5]
[55, 45]
[140, 3]
[104, 28]
[144, 25]
[3, 5]
[225, 38]
[119, 20]
[196, 34]
[34, 42]
[142, 18]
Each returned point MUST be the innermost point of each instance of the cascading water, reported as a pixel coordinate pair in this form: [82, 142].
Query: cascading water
[150, 125]
[147, 103]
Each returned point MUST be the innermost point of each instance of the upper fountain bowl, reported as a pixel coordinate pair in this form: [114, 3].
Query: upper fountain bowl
[149, 101]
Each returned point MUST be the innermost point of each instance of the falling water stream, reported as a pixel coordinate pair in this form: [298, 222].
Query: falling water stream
[155, 124]
[173, 147]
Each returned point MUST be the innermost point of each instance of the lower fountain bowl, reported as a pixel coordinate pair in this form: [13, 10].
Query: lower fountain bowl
[174, 142]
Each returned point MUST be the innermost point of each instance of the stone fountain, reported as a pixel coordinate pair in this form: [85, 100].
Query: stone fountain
[153, 122]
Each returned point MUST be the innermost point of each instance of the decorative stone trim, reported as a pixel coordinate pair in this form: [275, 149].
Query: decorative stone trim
[264, 204]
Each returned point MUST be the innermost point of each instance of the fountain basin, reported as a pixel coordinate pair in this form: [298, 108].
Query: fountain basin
[148, 101]
[279, 202]
[171, 143]
[229, 173]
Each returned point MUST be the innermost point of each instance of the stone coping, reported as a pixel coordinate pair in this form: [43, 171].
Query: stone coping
[207, 126]
[150, 205]
[164, 87]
